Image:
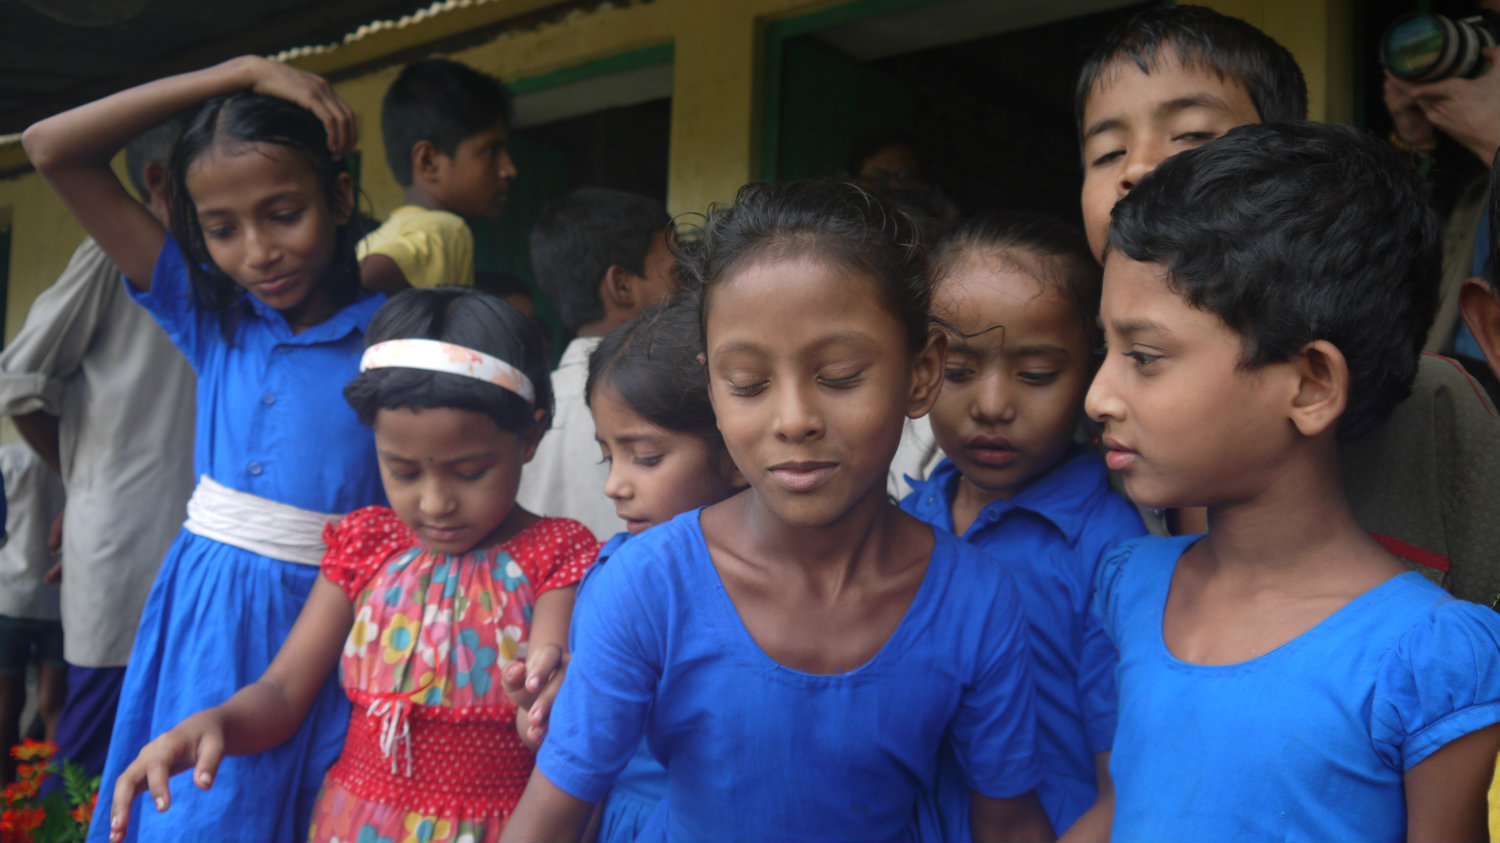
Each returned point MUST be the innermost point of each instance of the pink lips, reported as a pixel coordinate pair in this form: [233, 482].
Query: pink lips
[802, 476]
[993, 451]
[441, 534]
[275, 286]
[1117, 457]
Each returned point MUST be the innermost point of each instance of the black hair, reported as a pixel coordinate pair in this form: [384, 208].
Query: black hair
[1293, 233]
[1202, 39]
[835, 221]
[934, 213]
[243, 120]
[578, 236]
[653, 362]
[469, 318]
[872, 142]
[442, 102]
[1067, 265]
[153, 146]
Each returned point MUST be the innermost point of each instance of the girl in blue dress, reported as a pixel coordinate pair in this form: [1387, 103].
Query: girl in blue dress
[258, 286]
[657, 431]
[797, 654]
[1283, 677]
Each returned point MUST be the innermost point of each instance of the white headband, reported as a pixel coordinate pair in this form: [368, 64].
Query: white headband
[439, 356]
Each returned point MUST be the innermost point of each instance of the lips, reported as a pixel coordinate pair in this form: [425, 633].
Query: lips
[1116, 455]
[275, 286]
[441, 535]
[990, 450]
[802, 477]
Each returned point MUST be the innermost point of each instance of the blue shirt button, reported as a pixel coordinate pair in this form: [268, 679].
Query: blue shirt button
[255, 469]
[267, 399]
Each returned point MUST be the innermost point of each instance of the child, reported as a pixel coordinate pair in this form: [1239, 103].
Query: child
[601, 256]
[796, 654]
[1173, 78]
[666, 456]
[258, 286]
[445, 127]
[1265, 297]
[427, 600]
[1020, 294]
[31, 631]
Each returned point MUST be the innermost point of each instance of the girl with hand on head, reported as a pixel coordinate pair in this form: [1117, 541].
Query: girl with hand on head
[422, 604]
[656, 427]
[797, 654]
[258, 286]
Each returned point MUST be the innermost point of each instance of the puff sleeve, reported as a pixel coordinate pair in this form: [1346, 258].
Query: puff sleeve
[1440, 682]
[556, 554]
[360, 544]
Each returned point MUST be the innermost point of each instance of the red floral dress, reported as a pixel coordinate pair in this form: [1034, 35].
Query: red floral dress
[432, 753]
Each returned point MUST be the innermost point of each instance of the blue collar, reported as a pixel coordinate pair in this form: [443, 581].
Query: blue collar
[1064, 496]
[352, 318]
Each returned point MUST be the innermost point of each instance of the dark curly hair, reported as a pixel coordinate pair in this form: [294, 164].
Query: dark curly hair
[1293, 233]
[462, 316]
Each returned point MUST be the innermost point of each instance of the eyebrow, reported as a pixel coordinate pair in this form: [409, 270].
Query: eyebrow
[269, 200]
[480, 455]
[746, 347]
[1139, 326]
[1166, 109]
[631, 439]
[1038, 349]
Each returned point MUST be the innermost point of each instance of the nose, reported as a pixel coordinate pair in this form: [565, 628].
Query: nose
[1102, 401]
[436, 499]
[260, 249]
[797, 416]
[993, 398]
[617, 485]
[507, 166]
[1144, 156]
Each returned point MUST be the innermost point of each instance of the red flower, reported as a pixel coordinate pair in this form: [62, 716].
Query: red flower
[22, 789]
[31, 750]
[85, 810]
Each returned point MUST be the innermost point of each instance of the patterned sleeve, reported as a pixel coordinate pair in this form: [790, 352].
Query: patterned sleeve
[360, 544]
[557, 553]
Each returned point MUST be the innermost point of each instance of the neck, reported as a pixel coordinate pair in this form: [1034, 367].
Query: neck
[831, 552]
[1295, 525]
[422, 197]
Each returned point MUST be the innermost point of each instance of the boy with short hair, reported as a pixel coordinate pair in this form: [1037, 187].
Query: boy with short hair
[445, 127]
[1175, 77]
[601, 257]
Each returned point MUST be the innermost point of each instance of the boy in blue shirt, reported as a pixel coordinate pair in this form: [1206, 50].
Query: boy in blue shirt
[446, 128]
[1020, 295]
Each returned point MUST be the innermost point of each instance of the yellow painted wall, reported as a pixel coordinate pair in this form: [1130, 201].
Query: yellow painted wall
[715, 142]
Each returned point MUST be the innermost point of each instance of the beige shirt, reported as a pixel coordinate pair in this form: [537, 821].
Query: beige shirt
[566, 477]
[432, 248]
[125, 399]
[34, 497]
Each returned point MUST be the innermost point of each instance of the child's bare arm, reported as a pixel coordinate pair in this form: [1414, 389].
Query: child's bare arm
[1019, 818]
[546, 664]
[380, 274]
[72, 150]
[1096, 822]
[258, 717]
[1446, 791]
[546, 812]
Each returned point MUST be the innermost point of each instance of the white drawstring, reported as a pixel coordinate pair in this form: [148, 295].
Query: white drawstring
[395, 727]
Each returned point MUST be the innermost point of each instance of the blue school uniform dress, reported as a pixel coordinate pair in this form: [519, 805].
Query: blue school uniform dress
[1308, 742]
[643, 782]
[1052, 536]
[755, 750]
[272, 422]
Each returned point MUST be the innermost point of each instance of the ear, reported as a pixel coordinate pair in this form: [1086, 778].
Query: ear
[155, 176]
[534, 433]
[927, 374]
[617, 290]
[344, 193]
[1481, 312]
[1322, 387]
[424, 161]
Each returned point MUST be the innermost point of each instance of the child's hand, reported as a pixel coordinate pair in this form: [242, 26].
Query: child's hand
[532, 686]
[197, 742]
[310, 91]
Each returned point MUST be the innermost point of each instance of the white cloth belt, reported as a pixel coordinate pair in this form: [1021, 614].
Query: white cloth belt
[278, 530]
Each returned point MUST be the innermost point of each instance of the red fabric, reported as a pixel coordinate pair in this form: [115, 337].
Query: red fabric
[360, 544]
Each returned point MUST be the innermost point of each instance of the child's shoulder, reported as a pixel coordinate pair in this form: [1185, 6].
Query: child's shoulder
[360, 543]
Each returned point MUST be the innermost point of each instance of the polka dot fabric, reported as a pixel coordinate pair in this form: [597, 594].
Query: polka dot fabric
[432, 752]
